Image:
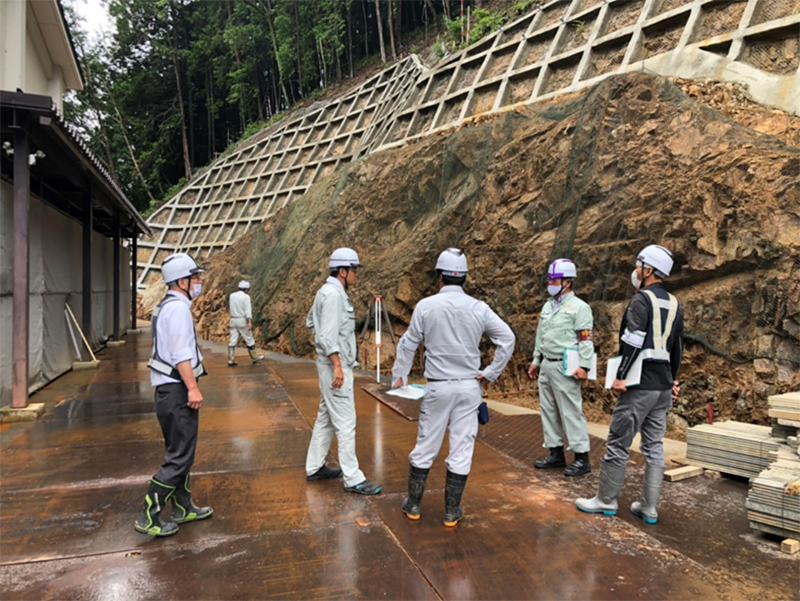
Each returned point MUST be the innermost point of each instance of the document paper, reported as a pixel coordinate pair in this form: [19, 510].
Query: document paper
[408, 392]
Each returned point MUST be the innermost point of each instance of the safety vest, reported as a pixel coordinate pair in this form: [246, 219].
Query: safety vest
[158, 364]
[660, 328]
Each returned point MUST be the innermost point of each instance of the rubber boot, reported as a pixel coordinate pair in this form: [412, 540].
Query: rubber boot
[417, 477]
[554, 459]
[651, 491]
[183, 509]
[580, 466]
[149, 520]
[605, 501]
[232, 356]
[453, 489]
[253, 356]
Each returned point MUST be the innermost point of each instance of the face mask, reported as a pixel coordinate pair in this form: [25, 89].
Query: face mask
[196, 290]
[637, 283]
[554, 290]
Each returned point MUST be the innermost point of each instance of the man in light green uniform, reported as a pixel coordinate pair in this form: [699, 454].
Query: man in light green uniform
[565, 323]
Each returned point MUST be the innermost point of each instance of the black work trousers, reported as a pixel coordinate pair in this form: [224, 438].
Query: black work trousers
[179, 425]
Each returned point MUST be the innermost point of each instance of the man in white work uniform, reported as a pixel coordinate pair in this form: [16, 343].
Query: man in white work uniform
[333, 322]
[176, 365]
[451, 324]
[241, 323]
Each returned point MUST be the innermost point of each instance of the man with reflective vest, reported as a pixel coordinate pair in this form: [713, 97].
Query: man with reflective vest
[565, 323]
[176, 365]
[332, 319]
[241, 323]
[451, 325]
[651, 332]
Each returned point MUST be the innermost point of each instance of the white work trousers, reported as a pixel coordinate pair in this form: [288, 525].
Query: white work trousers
[561, 401]
[452, 407]
[336, 415]
[238, 327]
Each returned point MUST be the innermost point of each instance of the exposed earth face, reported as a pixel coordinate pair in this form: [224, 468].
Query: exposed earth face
[595, 176]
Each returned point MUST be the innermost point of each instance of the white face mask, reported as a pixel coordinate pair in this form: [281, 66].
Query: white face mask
[637, 283]
[553, 290]
[196, 290]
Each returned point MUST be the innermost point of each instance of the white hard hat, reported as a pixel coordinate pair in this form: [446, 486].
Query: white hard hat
[452, 262]
[344, 257]
[657, 257]
[177, 266]
[562, 268]
[244, 285]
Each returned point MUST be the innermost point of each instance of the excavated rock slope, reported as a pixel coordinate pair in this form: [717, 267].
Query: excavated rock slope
[595, 177]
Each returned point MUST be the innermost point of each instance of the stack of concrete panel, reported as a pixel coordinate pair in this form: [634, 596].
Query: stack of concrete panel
[771, 506]
[731, 447]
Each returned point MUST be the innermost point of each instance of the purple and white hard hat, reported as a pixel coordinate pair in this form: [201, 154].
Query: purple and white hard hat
[561, 268]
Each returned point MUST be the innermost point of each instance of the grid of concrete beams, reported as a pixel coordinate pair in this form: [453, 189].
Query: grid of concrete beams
[562, 46]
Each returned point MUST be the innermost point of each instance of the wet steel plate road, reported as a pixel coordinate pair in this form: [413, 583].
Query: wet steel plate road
[71, 486]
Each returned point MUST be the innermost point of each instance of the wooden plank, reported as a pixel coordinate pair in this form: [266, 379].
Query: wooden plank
[784, 414]
[790, 546]
[682, 473]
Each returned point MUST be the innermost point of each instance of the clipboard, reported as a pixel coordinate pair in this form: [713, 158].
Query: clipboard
[572, 361]
[634, 374]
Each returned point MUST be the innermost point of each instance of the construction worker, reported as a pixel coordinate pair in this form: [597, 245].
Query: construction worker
[651, 332]
[565, 323]
[176, 365]
[241, 324]
[333, 322]
[451, 324]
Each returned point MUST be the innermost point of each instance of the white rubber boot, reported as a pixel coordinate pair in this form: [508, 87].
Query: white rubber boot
[605, 501]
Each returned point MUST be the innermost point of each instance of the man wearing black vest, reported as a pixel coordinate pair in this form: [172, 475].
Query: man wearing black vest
[176, 364]
[651, 332]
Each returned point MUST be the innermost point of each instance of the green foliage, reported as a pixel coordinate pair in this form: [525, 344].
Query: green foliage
[485, 22]
[580, 27]
[524, 5]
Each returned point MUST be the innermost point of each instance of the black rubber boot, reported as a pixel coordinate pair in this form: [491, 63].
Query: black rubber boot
[554, 459]
[580, 466]
[454, 488]
[149, 520]
[417, 477]
[183, 509]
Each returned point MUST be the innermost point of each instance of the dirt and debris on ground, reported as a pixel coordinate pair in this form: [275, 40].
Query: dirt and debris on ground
[595, 176]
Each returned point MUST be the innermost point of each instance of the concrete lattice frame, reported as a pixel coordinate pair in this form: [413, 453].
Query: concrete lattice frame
[564, 46]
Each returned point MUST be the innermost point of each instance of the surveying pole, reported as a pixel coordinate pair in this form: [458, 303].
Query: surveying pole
[378, 316]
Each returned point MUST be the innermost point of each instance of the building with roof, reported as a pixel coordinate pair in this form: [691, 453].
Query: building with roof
[67, 231]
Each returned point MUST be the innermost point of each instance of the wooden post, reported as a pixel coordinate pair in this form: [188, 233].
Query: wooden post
[88, 219]
[21, 303]
[117, 258]
[134, 274]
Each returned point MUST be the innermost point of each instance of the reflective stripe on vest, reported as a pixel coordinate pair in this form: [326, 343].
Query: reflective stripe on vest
[659, 351]
[156, 363]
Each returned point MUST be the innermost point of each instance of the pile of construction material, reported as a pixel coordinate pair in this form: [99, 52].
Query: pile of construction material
[731, 448]
[773, 504]
[768, 455]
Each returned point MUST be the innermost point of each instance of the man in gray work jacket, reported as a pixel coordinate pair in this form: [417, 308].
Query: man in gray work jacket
[333, 321]
[651, 332]
[566, 323]
[451, 324]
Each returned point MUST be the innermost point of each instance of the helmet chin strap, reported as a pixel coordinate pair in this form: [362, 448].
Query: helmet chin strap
[186, 292]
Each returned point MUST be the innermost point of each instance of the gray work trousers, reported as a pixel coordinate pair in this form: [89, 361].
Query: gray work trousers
[452, 407]
[642, 411]
[561, 402]
[179, 424]
[238, 327]
[336, 415]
